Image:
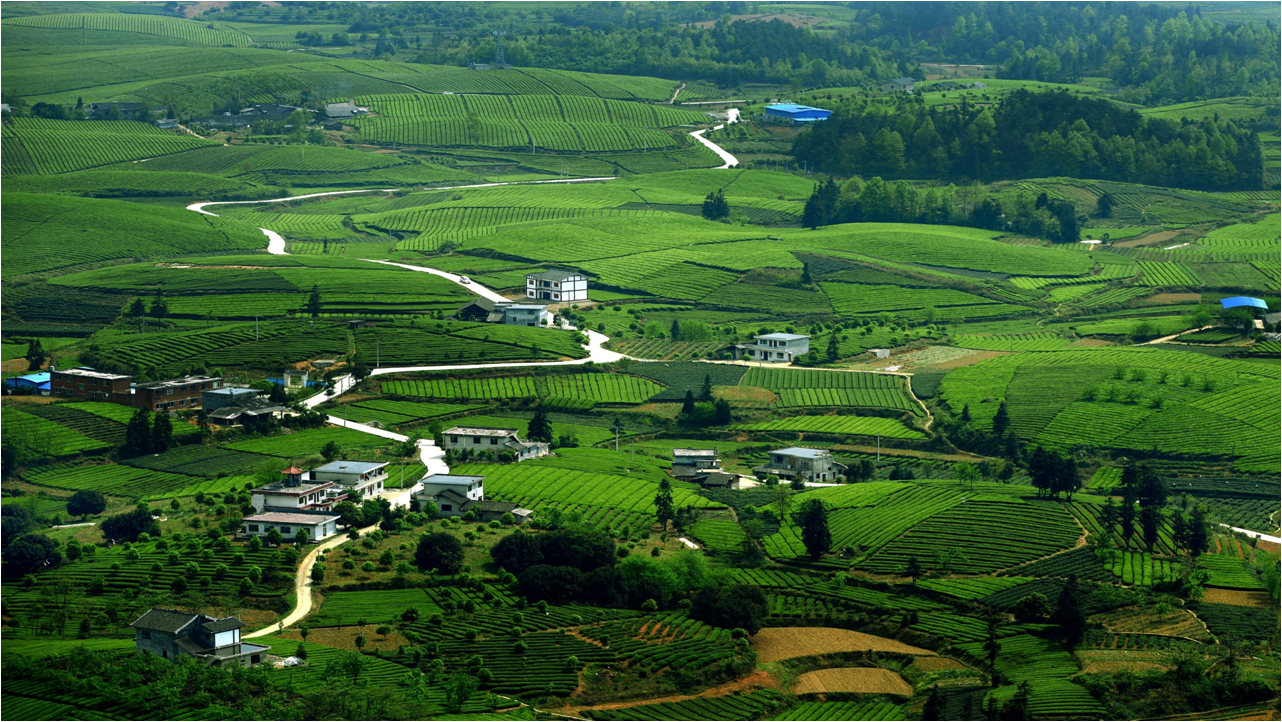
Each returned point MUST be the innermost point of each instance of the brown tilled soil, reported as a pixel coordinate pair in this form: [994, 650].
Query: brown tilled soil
[1174, 298]
[1089, 342]
[1144, 240]
[1175, 623]
[776, 643]
[1103, 661]
[345, 638]
[1236, 597]
[970, 360]
[857, 680]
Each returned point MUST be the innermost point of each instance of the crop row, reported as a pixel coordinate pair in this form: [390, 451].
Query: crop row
[752, 705]
[851, 299]
[45, 437]
[778, 379]
[1012, 341]
[74, 145]
[877, 398]
[196, 32]
[982, 536]
[841, 425]
[603, 388]
[531, 485]
[863, 710]
[1139, 568]
[200, 461]
[1168, 274]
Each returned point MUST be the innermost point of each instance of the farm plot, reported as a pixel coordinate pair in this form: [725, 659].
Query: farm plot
[113, 479]
[1025, 657]
[719, 534]
[752, 705]
[383, 606]
[1012, 341]
[839, 425]
[852, 680]
[603, 388]
[588, 435]
[532, 486]
[61, 146]
[862, 710]
[200, 461]
[1055, 699]
[682, 376]
[849, 299]
[308, 442]
[44, 436]
[776, 643]
[986, 533]
[1167, 274]
[91, 425]
[1140, 568]
[1230, 572]
[1261, 237]
[390, 412]
[1250, 623]
[972, 588]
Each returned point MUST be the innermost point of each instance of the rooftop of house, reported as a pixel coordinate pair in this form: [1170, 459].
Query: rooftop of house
[231, 391]
[350, 467]
[480, 302]
[39, 378]
[783, 336]
[251, 407]
[290, 517]
[444, 493]
[718, 478]
[902, 81]
[801, 452]
[539, 307]
[452, 479]
[175, 383]
[554, 275]
[306, 486]
[164, 620]
[702, 453]
[89, 373]
[226, 624]
[480, 431]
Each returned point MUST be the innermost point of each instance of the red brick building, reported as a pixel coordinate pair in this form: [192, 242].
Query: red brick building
[175, 394]
[85, 383]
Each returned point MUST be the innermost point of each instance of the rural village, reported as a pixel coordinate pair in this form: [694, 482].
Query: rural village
[641, 360]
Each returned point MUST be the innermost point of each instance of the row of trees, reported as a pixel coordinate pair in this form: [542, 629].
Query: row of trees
[876, 200]
[1026, 134]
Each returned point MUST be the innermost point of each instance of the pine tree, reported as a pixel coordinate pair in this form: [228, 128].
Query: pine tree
[687, 406]
[138, 308]
[1180, 530]
[138, 433]
[1001, 420]
[540, 428]
[705, 393]
[1199, 532]
[834, 348]
[1069, 613]
[35, 355]
[805, 274]
[162, 434]
[159, 306]
[715, 206]
[675, 333]
[314, 301]
[965, 413]
[814, 528]
[992, 649]
[723, 415]
[664, 508]
[1150, 522]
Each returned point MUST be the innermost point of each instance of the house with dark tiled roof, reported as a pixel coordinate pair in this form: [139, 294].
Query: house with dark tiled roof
[556, 285]
[170, 634]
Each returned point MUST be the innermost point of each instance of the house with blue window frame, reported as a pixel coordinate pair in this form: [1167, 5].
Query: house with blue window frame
[793, 113]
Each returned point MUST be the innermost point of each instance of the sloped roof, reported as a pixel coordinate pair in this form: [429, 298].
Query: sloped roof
[163, 620]
[553, 275]
[226, 624]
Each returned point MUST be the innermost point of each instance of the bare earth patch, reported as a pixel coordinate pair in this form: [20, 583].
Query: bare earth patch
[969, 360]
[345, 638]
[1090, 342]
[1174, 298]
[746, 397]
[1146, 620]
[776, 643]
[859, 680]
[1236, 597]
[934, 664]
[1101, 661]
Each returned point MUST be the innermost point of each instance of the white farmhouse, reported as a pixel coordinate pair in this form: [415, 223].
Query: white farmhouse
[317, 525]
[774, 347]
[480, 438]
[525, 314]
[556, 285]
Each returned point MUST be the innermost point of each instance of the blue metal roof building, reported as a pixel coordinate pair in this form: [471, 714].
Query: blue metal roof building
[37, 381]
[794, 113]
[1238, 301]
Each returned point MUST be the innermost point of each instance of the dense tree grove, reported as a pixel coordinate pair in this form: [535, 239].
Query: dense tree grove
[1029, 134]
[1157, 54]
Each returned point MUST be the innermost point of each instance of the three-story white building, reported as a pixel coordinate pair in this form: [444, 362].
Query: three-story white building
[557, 286]
[774, 347]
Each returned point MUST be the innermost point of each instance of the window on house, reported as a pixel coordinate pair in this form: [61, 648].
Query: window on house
[476, 439]
[80, 387]
[453, 439]
[447, 507]
[165, 653]
[253, 527]
[286, 530]
[146, 634]
[494, 440]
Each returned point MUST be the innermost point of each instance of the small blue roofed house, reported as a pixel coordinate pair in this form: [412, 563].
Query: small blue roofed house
[34, 383]
[793, 113]
[1241, 301]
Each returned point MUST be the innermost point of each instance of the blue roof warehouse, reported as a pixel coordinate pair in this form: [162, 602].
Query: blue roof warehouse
[793, 113]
